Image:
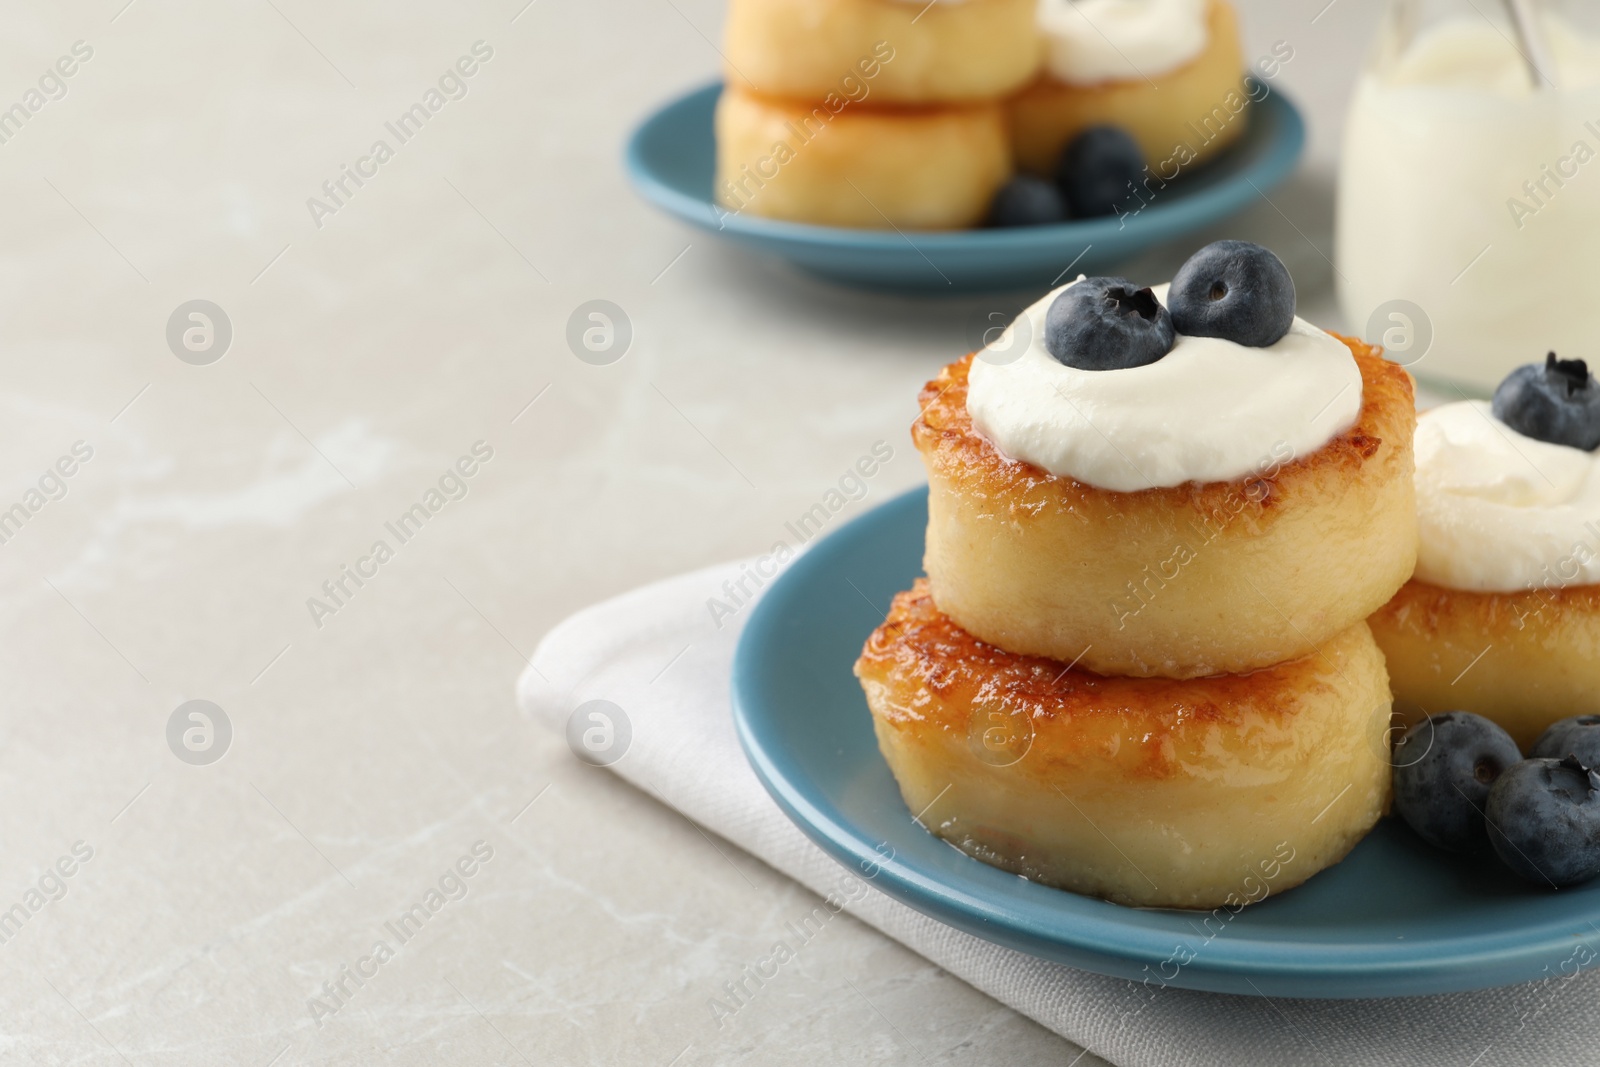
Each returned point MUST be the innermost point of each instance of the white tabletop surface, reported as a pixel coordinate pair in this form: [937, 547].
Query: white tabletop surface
[374, 746]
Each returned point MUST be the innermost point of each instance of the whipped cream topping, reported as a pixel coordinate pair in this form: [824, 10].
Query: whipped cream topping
[1092, 41]
[1209, 411]
[1499, 512]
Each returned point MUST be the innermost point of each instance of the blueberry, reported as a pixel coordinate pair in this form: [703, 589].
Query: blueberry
[1578, 736]
[1544, 821]
[1107, 324]
[1097, 170]
[1235, 290]
[1027, 201]
[1443, 769]
[1558, 402]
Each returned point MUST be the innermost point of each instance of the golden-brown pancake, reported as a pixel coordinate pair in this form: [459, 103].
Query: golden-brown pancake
[887, 51]
[1525, 660]
[1196, 579]
[1155, 792]
[868, 167]
[1184, 116]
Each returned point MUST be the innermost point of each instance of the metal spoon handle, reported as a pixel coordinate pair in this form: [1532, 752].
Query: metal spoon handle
[1535, 50]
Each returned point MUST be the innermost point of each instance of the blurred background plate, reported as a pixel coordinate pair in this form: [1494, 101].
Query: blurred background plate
[671, 160]
[1395, 918]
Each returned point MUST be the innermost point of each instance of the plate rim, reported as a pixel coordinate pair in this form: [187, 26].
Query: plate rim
[1277, 161]
[1317, 970]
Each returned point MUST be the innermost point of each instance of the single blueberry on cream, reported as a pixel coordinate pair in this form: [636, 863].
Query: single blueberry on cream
[1107, 324]
[1234, 290]
[1558, 403]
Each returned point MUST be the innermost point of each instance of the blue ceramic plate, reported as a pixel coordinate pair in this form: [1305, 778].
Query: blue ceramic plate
[671, 158]
[1395, 918]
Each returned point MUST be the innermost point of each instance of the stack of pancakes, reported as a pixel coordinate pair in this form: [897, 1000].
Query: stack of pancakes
[911, 114]
[1166, 697]
[870, 113]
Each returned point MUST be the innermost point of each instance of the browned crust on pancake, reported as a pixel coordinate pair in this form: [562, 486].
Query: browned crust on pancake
[1429, 609]
[918, 649]
[944, 434]
[892, 109]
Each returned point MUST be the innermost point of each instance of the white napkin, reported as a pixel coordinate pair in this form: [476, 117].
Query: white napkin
[658, 654]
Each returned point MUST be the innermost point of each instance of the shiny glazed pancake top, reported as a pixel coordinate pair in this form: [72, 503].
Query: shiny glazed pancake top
[1150, 728]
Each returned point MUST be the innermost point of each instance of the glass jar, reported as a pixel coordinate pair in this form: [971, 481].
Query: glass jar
[1468, 225]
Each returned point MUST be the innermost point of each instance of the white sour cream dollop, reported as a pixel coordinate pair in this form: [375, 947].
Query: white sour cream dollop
[1499, 512]
[1092, 41]
[1209, 411]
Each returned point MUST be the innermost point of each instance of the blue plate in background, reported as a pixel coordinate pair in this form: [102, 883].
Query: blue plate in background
[1396, 918]
[671, 159]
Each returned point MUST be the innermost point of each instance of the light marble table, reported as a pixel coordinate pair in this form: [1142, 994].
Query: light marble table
[375, 341]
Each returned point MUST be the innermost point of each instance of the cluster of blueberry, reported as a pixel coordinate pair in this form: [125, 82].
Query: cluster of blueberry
[1234, 290]
[1558, 403]
[1462, 784]
[1094, 175]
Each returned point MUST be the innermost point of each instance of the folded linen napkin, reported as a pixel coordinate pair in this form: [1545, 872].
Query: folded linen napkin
[664, 657]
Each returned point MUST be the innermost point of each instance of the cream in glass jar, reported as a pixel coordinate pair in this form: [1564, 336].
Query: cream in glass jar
[1472, 193]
